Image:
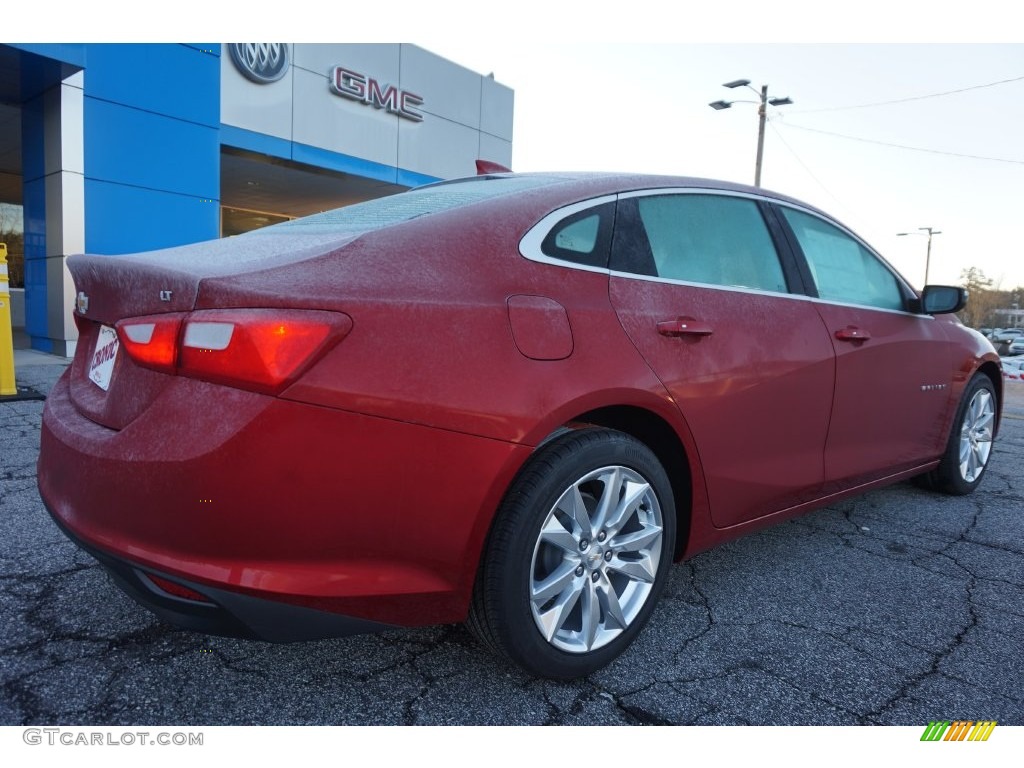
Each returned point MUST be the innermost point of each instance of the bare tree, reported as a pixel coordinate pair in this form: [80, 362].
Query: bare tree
[982, 298]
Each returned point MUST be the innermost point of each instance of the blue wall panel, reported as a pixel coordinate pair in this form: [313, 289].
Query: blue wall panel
[232, 136]
[32, 158]
[241, 138]
[36, 324]
[33, 200]
[143, 149]
[325, 158]
[413, 179]
[30, 69]
[211, 48]
[175, 80]
[70, 53]
[152, 146]
[122, 219]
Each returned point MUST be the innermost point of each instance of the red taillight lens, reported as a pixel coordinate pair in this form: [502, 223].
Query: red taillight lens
[260, 349]
[152, 341]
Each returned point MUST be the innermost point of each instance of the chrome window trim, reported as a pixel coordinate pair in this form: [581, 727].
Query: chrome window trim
[530, 245]
[707, 191]
[868, 307]
[711, 286]
[758, 292]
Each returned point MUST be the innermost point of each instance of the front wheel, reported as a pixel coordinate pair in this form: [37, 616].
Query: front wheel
[970, 441]
[577, 556]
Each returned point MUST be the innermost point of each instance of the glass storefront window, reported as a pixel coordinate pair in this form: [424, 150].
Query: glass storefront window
[235, 221]
[12, 233]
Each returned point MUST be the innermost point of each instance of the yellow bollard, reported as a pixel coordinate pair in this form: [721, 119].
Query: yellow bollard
[7, 384]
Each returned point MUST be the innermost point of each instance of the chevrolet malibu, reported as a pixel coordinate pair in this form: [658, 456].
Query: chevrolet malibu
[511, 400]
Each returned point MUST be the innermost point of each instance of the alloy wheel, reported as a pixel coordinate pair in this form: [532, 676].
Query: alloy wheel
[976, 435]
[596, 558]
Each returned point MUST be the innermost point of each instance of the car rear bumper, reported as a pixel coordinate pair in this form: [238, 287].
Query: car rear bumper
[252, 500]
[222, 612]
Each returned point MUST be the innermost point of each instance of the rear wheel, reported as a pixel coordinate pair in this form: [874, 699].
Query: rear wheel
[970, 441]
[577, 556]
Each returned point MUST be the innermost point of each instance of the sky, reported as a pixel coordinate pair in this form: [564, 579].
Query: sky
[644, 107]
[620, 86]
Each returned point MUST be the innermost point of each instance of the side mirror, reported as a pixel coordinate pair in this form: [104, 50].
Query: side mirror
[943, 299]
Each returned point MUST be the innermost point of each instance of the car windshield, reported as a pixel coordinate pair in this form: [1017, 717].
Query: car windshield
[387, 211]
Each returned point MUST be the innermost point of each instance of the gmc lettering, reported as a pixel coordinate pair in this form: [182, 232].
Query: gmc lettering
[358, 87]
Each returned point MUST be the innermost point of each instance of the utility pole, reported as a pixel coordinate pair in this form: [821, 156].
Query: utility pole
[928, 252]
[762, 115]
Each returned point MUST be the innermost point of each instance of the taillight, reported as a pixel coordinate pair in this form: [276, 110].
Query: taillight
[152, 341]
[260, 349]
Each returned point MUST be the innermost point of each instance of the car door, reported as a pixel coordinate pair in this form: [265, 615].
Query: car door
[893, 366]
[700, 289]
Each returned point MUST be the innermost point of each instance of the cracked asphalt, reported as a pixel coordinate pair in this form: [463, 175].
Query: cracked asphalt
[897, 607]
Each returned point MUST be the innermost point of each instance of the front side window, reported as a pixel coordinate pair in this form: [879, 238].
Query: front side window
[698, 238]
[842, 268]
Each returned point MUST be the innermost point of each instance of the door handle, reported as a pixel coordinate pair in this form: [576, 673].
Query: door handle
[684, 326]
[852, 333]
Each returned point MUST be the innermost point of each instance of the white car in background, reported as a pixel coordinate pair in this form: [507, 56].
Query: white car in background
[1017, 346]
[1013, 369]
[1006, 334]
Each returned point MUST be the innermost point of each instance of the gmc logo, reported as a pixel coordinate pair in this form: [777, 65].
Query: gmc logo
[359, 87]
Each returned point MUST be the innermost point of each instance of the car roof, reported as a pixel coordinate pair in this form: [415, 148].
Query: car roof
[620, 182]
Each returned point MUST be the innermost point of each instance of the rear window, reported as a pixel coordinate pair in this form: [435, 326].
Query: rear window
[395, 209]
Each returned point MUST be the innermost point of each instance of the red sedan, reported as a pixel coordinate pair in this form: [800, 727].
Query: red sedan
[511, 400]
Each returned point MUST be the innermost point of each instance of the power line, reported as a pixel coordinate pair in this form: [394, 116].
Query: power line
[771, 124]
[909, 98]
[904, 146]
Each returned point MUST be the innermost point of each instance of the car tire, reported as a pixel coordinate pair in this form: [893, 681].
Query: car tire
[970, 441]
[577, 555]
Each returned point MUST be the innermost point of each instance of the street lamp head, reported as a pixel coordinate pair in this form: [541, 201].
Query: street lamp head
[736, 83]
[720, 104]
[780, 102]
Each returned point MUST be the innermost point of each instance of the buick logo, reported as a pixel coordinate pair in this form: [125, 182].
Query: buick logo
[260, 62]
[82, 303]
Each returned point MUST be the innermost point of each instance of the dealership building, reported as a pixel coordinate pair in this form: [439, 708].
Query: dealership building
[114, 149]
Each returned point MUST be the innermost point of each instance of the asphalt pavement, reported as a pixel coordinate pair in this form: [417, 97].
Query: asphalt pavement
[897, 607]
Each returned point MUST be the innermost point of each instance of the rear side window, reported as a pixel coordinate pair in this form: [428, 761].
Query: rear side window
[842, 268]
[710, 239]
[582, 238]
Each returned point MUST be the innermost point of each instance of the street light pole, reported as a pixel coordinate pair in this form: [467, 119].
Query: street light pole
[762, 114]
[928, 252]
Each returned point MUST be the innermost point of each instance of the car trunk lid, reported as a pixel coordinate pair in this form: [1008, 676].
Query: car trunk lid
[107, 387]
